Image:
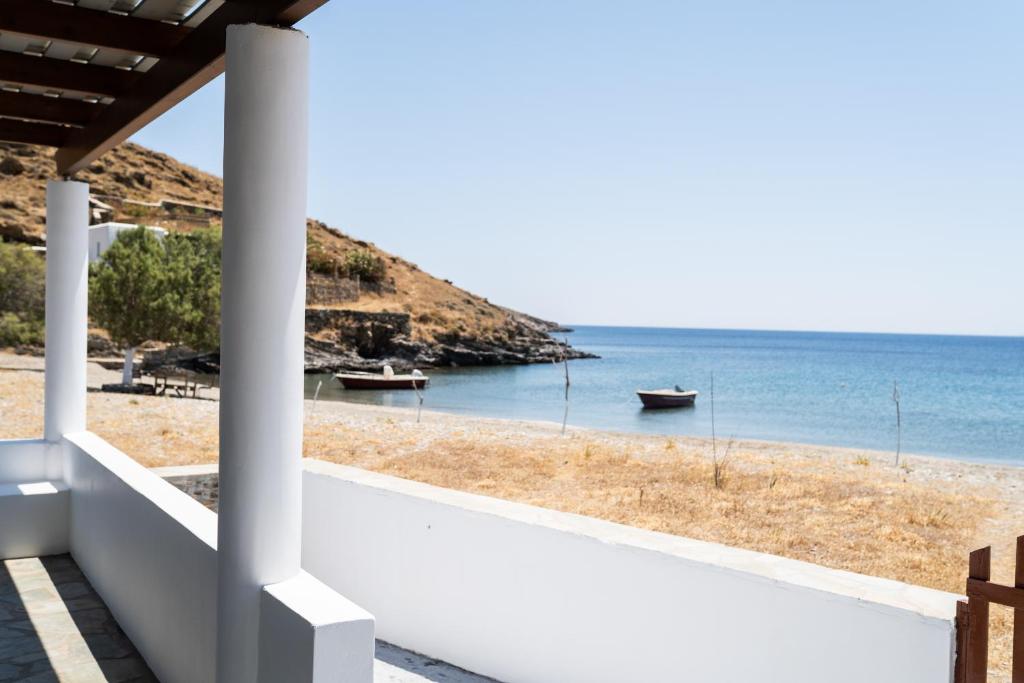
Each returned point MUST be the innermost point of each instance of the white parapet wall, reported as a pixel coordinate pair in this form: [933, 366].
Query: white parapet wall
[33, 519]
[23, 460]
[532, 595]
[150, 551]
[33, 503]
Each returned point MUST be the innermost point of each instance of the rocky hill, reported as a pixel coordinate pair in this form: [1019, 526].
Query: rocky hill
[366, 307]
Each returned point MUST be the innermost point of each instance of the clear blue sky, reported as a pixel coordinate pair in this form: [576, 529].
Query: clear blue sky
[780, 165]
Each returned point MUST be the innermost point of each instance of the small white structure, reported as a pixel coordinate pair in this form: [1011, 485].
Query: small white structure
[101, 236]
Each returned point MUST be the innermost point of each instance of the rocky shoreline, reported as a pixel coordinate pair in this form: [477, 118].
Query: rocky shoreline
[340, 340]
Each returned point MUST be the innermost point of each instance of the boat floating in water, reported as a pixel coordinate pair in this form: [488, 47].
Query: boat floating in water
[387, 380]
[666, 398]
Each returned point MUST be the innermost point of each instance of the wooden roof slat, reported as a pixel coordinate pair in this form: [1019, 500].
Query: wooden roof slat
[45, 19]
[195, 61]
[52, 109]
[61, 74]
[31, 133]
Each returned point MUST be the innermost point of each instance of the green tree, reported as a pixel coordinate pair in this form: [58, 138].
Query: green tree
[146, 289]
[125, 292]
[191, 289]
[22, 295]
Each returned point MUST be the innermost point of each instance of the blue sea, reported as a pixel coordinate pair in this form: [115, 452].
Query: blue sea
[960, 397]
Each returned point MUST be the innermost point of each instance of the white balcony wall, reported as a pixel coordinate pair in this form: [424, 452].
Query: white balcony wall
[531, 595]
[23, 460]
[150, 552]
[33, 507]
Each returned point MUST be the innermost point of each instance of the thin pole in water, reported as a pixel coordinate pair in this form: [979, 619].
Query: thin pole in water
[565, 360]
[316, 394]
[714, 448]
[419, 405]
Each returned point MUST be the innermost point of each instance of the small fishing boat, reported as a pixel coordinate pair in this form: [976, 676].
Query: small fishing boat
[387, 380]
[667, 398]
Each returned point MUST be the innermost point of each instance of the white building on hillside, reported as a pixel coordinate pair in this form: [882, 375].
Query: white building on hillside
[103, 235]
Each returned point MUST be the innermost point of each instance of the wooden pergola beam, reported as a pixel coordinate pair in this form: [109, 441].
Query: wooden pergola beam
[61, 74]
[196, 60]
[44, 19]
[31, 133]
[50, 109]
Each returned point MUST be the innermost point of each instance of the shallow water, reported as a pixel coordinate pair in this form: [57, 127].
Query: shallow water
[959, 396]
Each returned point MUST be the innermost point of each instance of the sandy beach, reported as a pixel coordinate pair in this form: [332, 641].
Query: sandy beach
[844, 508]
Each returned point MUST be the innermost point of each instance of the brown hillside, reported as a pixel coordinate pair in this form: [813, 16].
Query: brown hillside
[406, 316]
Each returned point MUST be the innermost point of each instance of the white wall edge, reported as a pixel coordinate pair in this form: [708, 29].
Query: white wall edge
[185, 470]
[317, 603]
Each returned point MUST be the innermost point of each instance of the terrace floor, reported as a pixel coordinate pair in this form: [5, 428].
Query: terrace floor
[54, 627]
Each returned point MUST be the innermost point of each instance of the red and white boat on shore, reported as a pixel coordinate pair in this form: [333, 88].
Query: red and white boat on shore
[387, 380]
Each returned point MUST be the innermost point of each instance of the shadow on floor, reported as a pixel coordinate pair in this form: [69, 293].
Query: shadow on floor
[53, 626]
[21, 652]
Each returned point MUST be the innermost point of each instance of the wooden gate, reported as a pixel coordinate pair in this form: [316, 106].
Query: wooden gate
[972, 617]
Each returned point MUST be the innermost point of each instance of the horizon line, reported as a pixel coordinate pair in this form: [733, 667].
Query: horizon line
[573, 326]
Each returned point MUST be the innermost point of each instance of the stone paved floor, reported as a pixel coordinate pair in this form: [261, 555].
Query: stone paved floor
[395, 665]
[54, 627]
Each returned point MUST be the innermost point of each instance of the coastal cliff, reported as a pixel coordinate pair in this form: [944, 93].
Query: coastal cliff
[341, 338]
[366, 307]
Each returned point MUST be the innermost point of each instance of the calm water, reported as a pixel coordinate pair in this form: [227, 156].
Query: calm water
[960, 396]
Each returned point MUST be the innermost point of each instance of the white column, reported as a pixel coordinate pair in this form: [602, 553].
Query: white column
[67, 302]
[262, 331]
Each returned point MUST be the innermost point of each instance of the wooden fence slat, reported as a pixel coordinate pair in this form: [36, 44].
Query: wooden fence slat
[993, 592]
[1018, 618]
[962, 621]
[977, 628]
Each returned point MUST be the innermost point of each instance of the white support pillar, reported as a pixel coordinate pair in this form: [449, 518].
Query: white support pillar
[67, 303]
[262, 331]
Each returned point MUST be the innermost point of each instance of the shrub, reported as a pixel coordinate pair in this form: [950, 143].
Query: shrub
[363, 264]
[22, 296]
[135, 210]
[17, 332]
[318, 259]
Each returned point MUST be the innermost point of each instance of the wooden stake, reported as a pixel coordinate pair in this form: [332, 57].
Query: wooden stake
[977, 629]
[1018, 618]
[565, 360]
[419, 405]
[963, 620]
[899, 426]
